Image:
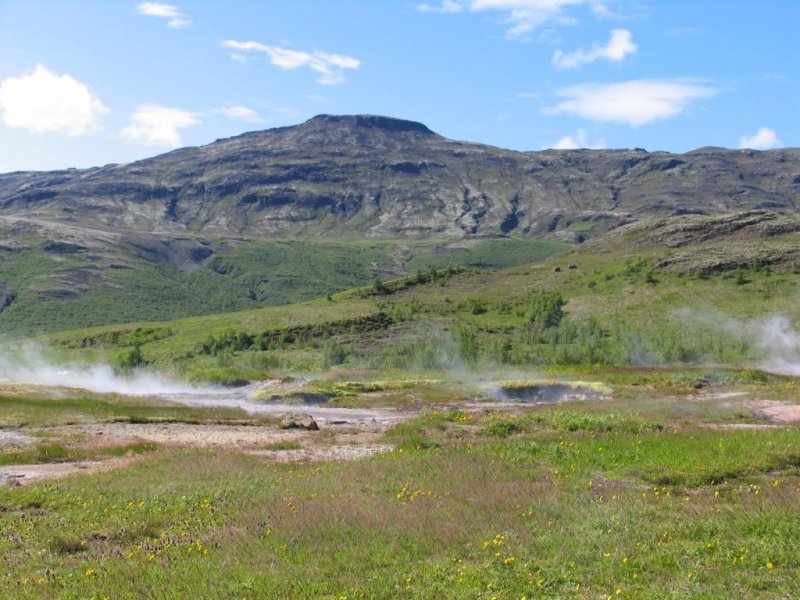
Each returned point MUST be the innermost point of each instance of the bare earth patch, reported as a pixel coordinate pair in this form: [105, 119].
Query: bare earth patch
[233, 437]
[777, 411]
[324, 453]
[14, 439]
[347, 441]
[24, 474]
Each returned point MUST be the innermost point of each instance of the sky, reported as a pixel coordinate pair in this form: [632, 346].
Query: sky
[92, 82]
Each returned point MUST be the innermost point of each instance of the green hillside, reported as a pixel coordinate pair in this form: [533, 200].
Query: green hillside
[659, 292]
[64, 290]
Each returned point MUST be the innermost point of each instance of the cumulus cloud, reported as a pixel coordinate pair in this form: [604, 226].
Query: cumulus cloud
[521, 16]
[619, 46]
[175, 17]
[579, 141]
[330, 67]
[43, 102]
[155, 125]
[634, 102]
[763, 139]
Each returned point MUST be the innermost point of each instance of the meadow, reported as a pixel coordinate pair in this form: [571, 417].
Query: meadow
[622, 498]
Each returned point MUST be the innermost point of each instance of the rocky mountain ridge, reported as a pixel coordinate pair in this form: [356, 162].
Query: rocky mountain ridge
[386, 178]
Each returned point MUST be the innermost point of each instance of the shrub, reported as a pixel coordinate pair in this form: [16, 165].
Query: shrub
[379, 287]
[468, 345]
[546, 309]
[503, 427]
[130, 359]
[476, 307]
[333, 353]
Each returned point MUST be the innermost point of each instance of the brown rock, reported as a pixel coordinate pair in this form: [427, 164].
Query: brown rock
[300, 421]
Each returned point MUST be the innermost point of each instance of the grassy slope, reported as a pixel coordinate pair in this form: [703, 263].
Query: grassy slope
[619, 310]
[252, 275]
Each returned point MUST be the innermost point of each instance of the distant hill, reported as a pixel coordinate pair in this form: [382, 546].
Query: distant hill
[295, 212]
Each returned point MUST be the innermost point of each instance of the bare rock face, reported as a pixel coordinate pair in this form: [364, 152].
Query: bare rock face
[390, 177]
[299, 421]
[738, 227]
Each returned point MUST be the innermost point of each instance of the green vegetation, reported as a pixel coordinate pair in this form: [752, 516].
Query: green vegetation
[56, 292]
[45, 452]
[594, 305]
[284, 446]
[549, 503]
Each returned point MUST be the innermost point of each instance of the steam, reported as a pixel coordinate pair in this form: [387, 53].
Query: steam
[771, 342]
[781, 344]
[30, 364]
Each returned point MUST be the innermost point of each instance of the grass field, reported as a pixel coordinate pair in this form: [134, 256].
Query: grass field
[581, 500]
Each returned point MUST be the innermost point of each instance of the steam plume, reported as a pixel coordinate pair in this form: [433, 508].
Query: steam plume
[30, 364]
[781, 344]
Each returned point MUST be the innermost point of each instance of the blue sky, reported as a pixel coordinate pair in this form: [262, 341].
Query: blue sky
[93, 82]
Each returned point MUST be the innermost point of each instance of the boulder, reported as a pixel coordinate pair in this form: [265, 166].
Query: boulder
[300, 421]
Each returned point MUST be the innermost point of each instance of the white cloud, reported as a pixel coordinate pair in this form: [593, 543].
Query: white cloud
[155, 125]
[524, 16]
[619, 46]
[43, 102]
[579, 141]
[521, 16]
[764, 139]
[330, 67]
[634, 102]
[165, 11]
[241, 113]
[601, 10]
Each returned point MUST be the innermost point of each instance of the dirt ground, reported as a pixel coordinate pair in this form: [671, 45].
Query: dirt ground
[777, 412]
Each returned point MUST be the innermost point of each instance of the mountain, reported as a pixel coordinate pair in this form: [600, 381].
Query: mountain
[297, 212]
[387, 177]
